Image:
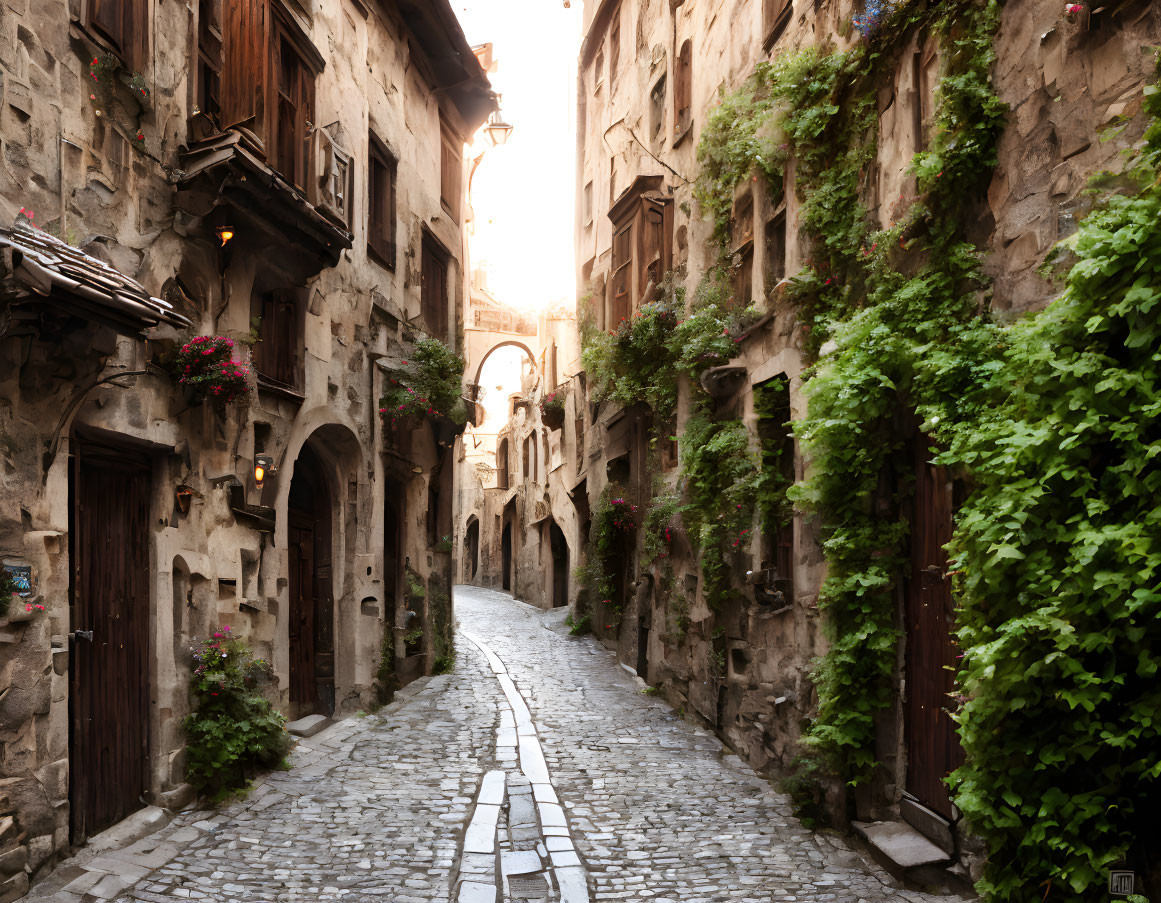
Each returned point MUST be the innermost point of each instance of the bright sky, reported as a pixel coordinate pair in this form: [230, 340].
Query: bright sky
[523, 192]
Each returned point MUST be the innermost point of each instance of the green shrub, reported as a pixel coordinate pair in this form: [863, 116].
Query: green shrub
[234, 732]
[429, 386]
[8, 589]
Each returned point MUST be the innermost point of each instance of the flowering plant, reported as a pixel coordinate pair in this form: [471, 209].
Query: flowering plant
[552, 408]
[429, 386]
[874, 14]
[234, 731]
[1072, 10]
[205, 364]
[622, 515]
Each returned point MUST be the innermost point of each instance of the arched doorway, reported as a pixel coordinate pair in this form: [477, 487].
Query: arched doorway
[506, 556]
[472, 549]
[311, 614]
[559, 565]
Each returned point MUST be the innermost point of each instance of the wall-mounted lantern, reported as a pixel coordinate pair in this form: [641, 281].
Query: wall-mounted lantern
[263, 465]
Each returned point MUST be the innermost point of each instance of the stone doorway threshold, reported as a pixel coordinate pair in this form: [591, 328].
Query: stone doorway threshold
[911, 857]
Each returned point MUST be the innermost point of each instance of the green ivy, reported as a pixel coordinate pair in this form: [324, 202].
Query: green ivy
[8, 589]
[1059, 559]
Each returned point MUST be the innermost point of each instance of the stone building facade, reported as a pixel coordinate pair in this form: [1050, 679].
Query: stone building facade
[516, 524]
[649, 77]
[285, 174]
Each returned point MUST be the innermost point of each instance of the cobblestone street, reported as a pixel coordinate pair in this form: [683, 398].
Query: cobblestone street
[535, 772]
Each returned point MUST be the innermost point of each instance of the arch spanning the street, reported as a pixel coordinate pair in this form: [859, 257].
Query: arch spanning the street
[497, 347]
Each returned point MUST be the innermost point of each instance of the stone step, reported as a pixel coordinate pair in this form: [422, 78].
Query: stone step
[899, 847]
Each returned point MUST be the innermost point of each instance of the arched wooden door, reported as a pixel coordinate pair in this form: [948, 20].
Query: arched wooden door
[311, 614]
[472, 550]
[559, 566]
[506, 557]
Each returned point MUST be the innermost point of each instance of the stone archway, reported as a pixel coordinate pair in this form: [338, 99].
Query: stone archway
[322, 616]
[509, 343]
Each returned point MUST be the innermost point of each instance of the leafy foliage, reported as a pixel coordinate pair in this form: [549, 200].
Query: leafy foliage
[1059, 553]
[234, 732]
[429, 386]
[8, 589]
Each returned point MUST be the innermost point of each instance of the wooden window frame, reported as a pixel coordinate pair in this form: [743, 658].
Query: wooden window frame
[502, 481]
[292, 110]
[209, 67]
[123, 28]
[278, 356]
[642, 247]
[381, 210]
[776, 225]
[434, 309]
[451, 160]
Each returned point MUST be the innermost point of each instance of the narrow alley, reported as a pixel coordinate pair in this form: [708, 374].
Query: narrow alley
[381, 807]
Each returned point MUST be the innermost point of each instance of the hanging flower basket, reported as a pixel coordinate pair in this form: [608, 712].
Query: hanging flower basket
[206, 371]
[552, 410]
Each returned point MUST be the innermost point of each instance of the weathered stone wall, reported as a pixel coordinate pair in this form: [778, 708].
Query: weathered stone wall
[1074, 89]
[71, 157]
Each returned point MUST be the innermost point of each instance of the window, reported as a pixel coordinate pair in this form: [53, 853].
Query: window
[614, 50]
[381, 173]
[683, 92]
[527, 471]
[775, 263]
[588, 203]
[775, 16]
[642, 246]
[743, 243]
[502, 465]
[434, 292]
[295, 113]
[124, 26]
[276, 355]
[256, 68]
[336, 181]
[925, 76]
[209, 98]
[657, 109]
[451, 170]
[772, 406]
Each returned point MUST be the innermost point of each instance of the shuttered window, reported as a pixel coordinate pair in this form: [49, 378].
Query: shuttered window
[683, 91]
[381, 172]
[434, 290]
[244, 54]
[450, 170]
[614, 50]
[295, 112]
[209, 88]
[124, 26]
[276, 354]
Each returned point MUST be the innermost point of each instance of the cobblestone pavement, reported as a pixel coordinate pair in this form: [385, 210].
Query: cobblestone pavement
[535, 772]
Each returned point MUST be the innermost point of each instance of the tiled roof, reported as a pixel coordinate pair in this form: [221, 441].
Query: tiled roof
[34, 263]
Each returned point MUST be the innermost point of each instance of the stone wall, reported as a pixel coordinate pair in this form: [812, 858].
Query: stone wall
[73, 158]
[1074, 88]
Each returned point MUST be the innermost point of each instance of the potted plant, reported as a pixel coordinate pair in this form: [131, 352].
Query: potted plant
[426, 386]
[206, 371]
[552, 409]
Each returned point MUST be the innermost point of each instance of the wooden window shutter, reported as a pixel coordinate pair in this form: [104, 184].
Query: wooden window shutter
[244, 73]
[125, 25]
[434, 290]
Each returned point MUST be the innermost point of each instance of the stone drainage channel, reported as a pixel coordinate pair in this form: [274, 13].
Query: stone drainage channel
[533, 859]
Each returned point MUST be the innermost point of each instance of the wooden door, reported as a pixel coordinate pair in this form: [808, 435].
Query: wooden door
[933, 749]
[559, 567]
[109, 668]
[301, 546]
[506, 557]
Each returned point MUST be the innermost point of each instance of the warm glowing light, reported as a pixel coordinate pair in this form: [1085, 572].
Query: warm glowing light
[263, 464]
[259, 474]
[225, 235]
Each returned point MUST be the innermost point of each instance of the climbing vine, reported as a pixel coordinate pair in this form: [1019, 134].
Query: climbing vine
[428, 386]
[1052, 422]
